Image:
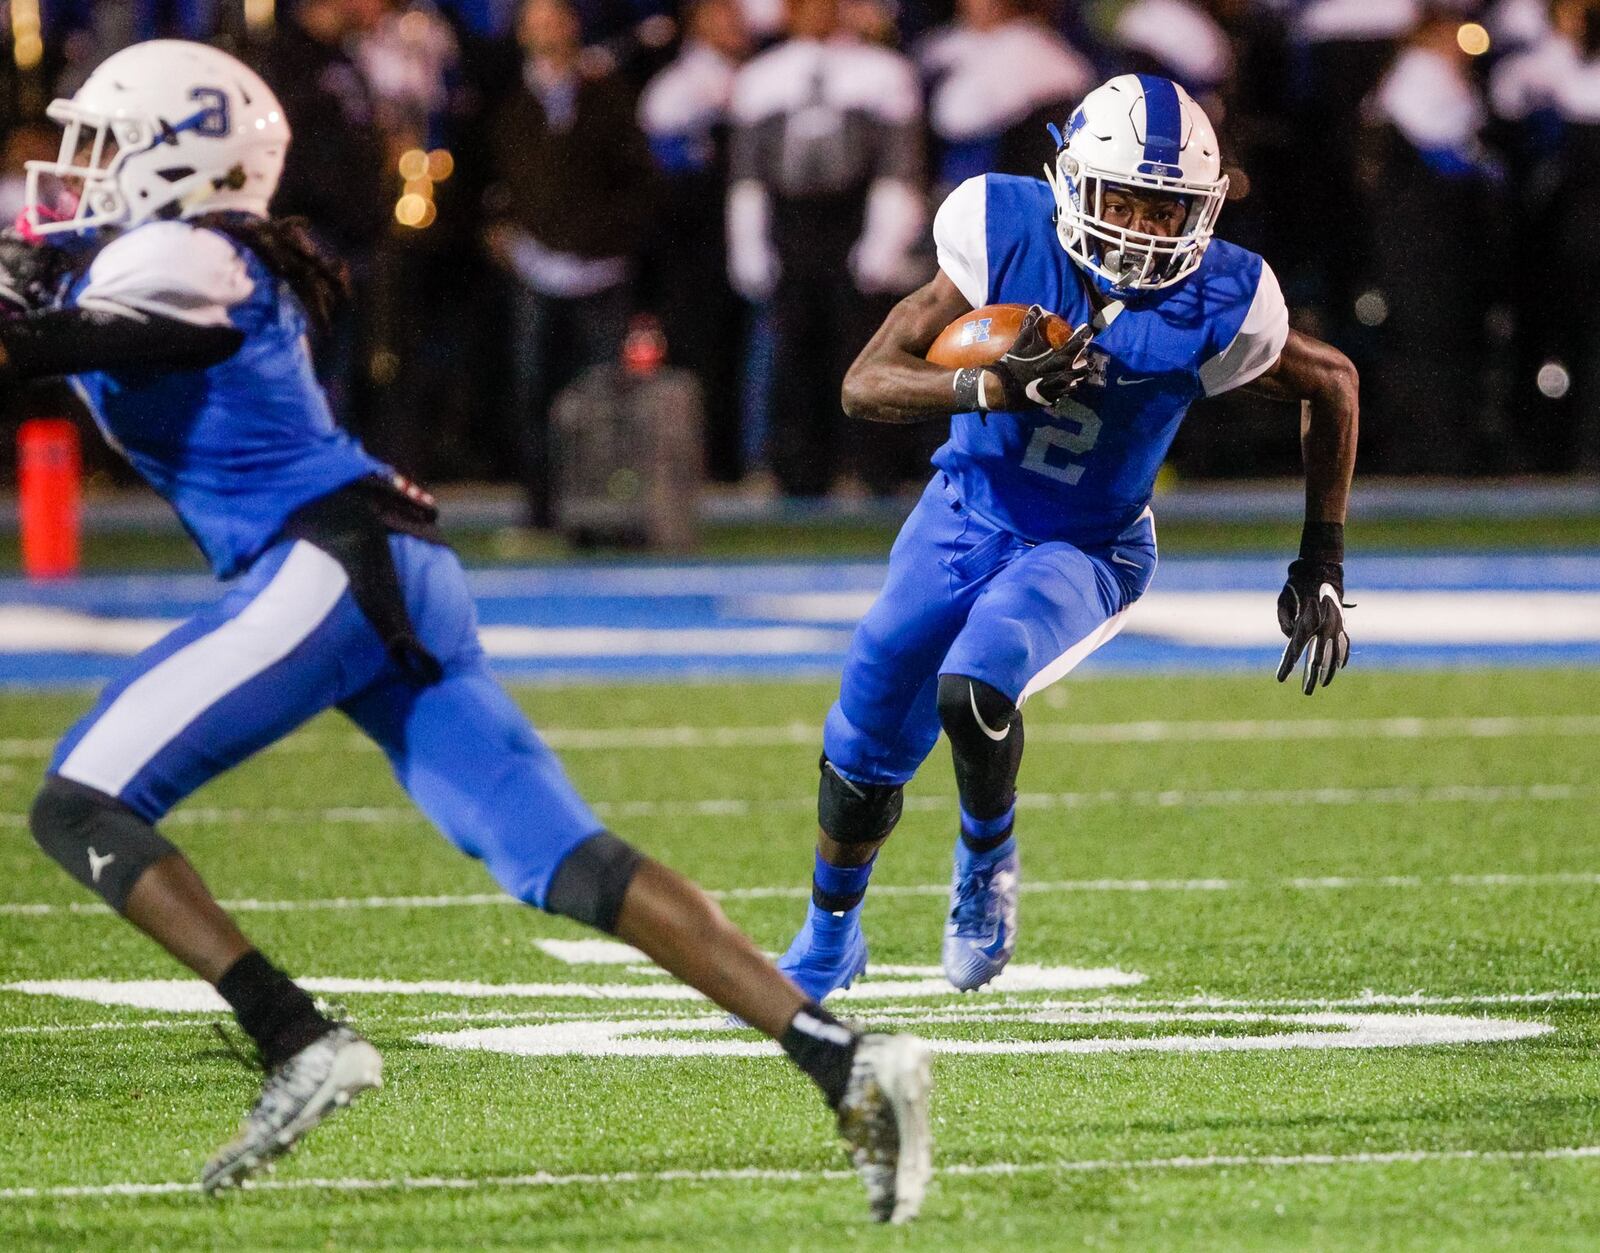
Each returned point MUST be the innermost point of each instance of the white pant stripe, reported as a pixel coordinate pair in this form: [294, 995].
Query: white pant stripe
[157, 706]
[1068, 661]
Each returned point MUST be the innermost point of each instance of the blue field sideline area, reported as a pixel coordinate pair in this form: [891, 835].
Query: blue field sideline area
[790, 619]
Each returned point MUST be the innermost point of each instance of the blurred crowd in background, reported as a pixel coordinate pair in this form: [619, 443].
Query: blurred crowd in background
[524, 188]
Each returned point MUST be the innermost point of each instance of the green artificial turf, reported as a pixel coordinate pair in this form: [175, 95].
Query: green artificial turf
[1245, 861]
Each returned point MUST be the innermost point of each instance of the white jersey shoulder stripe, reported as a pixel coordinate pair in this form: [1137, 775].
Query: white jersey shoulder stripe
[961, 239]
[1257, 346]
[168, 269]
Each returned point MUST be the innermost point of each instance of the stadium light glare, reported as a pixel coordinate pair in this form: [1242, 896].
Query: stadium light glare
[441, 165]
[27, 43]
[1472, 38]
[413, 164]
[411, 210]
[1372, 308]
[1554, 380]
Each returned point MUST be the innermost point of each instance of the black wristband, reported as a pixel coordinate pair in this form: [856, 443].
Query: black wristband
[968, 387]
[1322, 541]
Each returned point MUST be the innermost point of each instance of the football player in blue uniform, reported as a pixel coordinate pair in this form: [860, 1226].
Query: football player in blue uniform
[1035, 535]
[179, 308]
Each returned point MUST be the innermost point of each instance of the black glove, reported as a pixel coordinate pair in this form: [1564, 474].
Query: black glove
[1311, 613]
[30, 274]
[1034, 373]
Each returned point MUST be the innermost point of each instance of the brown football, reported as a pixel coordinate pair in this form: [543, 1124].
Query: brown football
[985, 335]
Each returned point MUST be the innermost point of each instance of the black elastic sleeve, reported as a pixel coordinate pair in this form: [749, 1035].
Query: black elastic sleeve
[76, 341]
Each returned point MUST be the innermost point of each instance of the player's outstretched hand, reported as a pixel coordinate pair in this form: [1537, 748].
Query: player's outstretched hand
[1311, 612]
[1036, 372]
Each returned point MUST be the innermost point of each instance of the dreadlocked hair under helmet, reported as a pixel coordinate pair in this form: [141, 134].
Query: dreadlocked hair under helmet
[286, 246]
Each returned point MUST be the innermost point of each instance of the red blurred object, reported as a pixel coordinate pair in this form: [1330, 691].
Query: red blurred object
[644, 351]
[23, 225]
[50, 482]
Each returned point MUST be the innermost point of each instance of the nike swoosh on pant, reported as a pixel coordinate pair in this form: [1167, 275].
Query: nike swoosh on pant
[996, 736]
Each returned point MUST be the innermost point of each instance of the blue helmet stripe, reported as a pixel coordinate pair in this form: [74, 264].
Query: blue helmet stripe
[1163, 120]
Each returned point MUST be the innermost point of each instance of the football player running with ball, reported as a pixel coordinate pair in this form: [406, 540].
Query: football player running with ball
[1035, 536]
[154, 277]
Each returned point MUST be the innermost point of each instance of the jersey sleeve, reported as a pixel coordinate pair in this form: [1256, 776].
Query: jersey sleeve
[961, 239]
[1256, 347]
[169, 270]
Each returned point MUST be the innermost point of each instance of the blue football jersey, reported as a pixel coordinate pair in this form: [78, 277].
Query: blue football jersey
[1083, 474]
[236, 448]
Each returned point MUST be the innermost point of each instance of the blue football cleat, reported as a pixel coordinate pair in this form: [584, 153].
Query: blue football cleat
[981, 934]
[829, 953]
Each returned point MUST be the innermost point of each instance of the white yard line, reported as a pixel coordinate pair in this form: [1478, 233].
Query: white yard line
[68, 1028]
[999, 1005]
[1217, 1161]
[796, 891]
[1184, 731]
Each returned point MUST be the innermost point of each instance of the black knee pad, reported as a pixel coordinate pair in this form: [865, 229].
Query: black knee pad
[985, 730]
[97, 839]
[589, 885]
[855, 813]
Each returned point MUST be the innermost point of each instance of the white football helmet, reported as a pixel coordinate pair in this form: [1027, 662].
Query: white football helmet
[165, 128]
[1147, 134]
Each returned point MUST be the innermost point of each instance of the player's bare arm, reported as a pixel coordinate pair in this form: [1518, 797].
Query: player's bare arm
[1310, 607]
[902, 375]
[890, 381]
[1325, 381]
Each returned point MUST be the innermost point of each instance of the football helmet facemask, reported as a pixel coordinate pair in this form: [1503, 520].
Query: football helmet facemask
[165, 128]
[1146, 134]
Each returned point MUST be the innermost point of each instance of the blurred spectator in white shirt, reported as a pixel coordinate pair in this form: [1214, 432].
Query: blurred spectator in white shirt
[1348, 44]
[1436, 253]
[1181, 40]
[995, 78]
[684, 112]
[408, 59]
[1553, 90]
[825, 208]
[575, 182]
[1517, 24]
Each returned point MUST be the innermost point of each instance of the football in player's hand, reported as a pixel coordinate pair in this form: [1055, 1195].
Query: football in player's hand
[985, 335]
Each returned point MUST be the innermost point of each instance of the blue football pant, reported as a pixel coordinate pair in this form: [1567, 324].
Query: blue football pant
[966, 597]
[286, 642]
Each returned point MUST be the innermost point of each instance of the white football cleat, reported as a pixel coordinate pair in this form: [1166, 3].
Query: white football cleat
[884, 1121]
[324, 1076]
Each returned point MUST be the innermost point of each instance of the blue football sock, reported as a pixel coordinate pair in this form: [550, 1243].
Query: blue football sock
[984, 835]
[839, 889]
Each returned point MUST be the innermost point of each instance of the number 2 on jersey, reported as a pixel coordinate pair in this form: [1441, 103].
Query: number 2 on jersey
[1080, 441]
